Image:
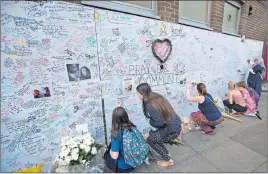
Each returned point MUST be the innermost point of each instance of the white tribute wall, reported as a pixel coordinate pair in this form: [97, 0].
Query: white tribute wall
[59, 60]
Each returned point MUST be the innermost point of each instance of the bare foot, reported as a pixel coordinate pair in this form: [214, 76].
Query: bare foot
[145, 136]
[236, 114]
[180, 136]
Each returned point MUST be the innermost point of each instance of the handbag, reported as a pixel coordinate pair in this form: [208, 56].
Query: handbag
[110, 162]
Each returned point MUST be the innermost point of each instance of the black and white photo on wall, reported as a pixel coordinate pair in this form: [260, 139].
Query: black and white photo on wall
[75, 73]
[84, 73]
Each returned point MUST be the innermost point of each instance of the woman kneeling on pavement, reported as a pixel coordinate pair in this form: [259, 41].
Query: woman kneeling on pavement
[162, 117]
[235, 100]
[251, 104]
[115, 160]
[209, 115]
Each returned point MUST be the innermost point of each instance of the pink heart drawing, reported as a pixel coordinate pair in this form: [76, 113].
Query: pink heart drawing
[162, 49]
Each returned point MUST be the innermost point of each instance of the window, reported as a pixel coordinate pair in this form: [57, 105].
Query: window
[143, 8]
[231, 17]
[196, 13]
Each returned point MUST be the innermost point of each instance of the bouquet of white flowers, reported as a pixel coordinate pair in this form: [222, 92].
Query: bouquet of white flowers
[77, 150]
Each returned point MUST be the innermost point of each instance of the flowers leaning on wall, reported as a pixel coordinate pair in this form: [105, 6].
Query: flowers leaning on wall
[77, 150]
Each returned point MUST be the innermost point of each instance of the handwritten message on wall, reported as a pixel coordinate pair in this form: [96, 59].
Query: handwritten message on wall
[59, 60]
[50, 80]
[124, 44]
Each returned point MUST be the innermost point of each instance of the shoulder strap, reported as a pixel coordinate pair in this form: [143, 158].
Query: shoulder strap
[212, 102]
[208, 98]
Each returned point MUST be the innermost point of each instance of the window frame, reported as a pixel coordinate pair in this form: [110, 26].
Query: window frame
[236, 4]
[195, 23]
[126, 8]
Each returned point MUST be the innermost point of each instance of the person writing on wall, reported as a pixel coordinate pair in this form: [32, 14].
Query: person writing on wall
[255, 76]
[209, 115]
[257, 73]
[162, 117]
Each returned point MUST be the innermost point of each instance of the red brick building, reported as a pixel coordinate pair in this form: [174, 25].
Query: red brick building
[237, 17]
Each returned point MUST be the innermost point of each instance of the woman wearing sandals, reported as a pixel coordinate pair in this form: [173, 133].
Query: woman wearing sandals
[209, 115]
[162, 117]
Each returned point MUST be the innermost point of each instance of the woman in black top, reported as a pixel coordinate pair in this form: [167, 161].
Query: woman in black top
[163, 117]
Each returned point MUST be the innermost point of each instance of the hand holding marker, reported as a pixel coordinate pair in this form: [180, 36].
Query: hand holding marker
[189, 84]
[118, 104]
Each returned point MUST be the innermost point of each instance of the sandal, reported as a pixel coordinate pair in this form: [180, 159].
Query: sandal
[212, 132]
[169, 163]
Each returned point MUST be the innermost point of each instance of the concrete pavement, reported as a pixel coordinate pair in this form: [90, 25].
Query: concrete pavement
[236, 147]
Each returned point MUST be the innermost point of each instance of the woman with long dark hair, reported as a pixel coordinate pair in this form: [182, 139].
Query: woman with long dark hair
[209, 115]
[162, 117]
[73, 72]
[120, 121]
[85, 73]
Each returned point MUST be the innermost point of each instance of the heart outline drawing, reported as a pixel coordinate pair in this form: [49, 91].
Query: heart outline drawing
[162, 49]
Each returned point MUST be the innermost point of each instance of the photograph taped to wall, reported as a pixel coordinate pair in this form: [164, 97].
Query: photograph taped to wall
[77, 72]
[73, 72]
[42, 92]
[84, 73]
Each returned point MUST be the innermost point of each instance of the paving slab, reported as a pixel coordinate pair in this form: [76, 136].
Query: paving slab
[193, 164]
[231, 156]
[263, 101]
[178, 153]
[108, 171]
[230, 127]
[254, 138]
[201, 142]
[263, 111]
[262, 169]
[141, 169]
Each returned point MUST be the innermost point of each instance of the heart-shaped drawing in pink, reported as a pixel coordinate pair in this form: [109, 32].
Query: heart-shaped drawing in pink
[162, 49]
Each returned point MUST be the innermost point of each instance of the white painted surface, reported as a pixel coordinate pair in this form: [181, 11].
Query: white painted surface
[39, 40]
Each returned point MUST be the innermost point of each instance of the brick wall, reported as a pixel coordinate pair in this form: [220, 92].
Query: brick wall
[168, 10]
[216, 18]
[254, 26]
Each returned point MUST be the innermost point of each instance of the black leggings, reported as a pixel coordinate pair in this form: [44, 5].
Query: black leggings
[236, 107]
